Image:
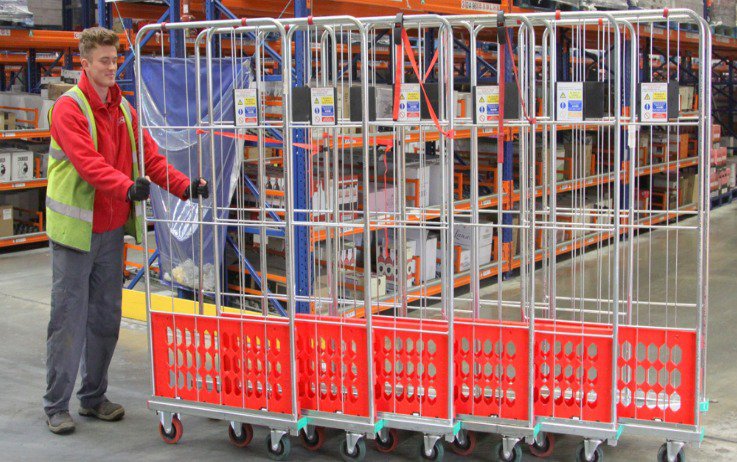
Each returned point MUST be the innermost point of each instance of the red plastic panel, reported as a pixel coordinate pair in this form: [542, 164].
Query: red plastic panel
[491, 369]
[411, 366]
[657, 374]
[573, 370]
[234, 361]
[332, 364]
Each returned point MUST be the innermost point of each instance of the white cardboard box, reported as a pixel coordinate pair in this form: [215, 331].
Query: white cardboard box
[463, 235]
[430, 253]
[22, 166]
[464, 261]
[5, 166]
[381, 199]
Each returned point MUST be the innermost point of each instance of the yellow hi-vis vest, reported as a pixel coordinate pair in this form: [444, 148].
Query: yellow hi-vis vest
[69, 199]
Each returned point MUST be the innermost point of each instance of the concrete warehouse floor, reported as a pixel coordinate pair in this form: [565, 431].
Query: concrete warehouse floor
[24, 309]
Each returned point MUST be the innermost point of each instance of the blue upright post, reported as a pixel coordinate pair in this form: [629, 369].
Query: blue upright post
[507, 166]
[32, 76]
[104, 18]
[87, 11]
[176, 38]
[301, 247]
[67, 18]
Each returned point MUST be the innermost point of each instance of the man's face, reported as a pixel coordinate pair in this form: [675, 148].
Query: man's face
[101, 65]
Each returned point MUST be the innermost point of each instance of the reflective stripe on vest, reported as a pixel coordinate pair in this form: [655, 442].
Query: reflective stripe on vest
[69, 210]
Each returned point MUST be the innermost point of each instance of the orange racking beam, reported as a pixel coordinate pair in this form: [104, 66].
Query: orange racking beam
[21, 39]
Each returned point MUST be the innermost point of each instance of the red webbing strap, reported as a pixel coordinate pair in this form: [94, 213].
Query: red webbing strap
[431, 66]
[255, 138]
[413, 62]
[397, 80]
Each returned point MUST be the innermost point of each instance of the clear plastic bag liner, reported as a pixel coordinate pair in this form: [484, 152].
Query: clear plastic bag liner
[169, 108]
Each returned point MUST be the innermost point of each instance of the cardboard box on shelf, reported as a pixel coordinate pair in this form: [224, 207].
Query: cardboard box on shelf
[388, 263]
[685, 98]
[6, 220]
[463, 258]
[732, 165]
[426, 253]
[427, 177]
[6, 163]
[7, 120]
[381, 199]
[577, 159]
[58, 89]
[463, 234]
[22, 165]
[354, 284]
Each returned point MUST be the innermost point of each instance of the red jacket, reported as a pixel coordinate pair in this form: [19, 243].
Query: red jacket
[109, 168]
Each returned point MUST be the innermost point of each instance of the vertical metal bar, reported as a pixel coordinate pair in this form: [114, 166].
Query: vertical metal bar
[214, 183]
[294, 246]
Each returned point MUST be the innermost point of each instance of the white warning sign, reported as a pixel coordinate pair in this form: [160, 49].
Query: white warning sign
[246, 107]
[654, 102]
[409, 102]
[323, 106]
[487, 104]
[570, 102]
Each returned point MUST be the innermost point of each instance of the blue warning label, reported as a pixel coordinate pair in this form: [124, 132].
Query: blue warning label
[660, 106]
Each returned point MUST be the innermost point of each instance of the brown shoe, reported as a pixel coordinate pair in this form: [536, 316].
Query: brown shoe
[60, 423]
[106, 410]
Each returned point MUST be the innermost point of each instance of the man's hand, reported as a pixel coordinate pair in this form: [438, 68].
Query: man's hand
[199, 187]
[140, 190]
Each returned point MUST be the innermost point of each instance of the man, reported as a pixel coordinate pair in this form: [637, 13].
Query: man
[94, 197]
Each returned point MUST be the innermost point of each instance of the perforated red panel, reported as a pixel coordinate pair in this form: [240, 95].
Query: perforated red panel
[234, 361]
[491, 369]
[411, 366]
[573, 370]
[657, 374]
[332, 358]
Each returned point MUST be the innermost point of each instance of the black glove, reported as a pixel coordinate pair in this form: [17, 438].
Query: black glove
[140, 190]
[197, 190]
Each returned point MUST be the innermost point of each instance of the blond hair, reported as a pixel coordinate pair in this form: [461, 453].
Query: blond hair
[95, 37]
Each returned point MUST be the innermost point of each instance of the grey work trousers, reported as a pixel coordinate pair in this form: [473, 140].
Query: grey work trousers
[86, 298]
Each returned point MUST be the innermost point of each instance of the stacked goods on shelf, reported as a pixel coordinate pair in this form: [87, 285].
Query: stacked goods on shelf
[721, 172]
[686, 101]
[6, 220]
[463, 243]
[575, 162]
[670, 190]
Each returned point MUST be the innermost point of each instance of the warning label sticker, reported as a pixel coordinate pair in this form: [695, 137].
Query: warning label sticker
[654, 102]
[323, 106]
[487, 104]
[246, 107]
[409, 102]
[570, 102]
